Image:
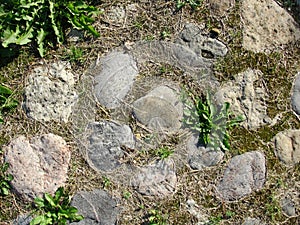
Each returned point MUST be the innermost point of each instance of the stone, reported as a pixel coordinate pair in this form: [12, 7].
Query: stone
[267, 26]
[252, 221]
[288, 207]
[49, 93]
[104, 142]
[158, 179]
[220, 7]
[200, 157]
[160, 109]
[117, 14]
[296, 94]
[39, 164]
[245, 98]
[114, 78]
[287, 146]
[244, 174]
[97, 207]
[23, 220]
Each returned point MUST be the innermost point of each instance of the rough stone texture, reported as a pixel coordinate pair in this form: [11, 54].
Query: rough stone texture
[288, 207]
[267, 25]
[296, 94]
[253, 221]
[160, 109]
[38, 165]
[22, 220]
[49, 93]
[220, 7]
[104, 141]
[245, 173]
[97, 207]
[287, 146]
[114, 78]
[245, 98]
[158, 179]
[200, 157]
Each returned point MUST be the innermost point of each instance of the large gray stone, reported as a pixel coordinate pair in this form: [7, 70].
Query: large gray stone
[104, 141]
[200, 157]
[287, 146]
[160, 109]
[38, 165]
[158, 179]
[267, 25]
[97, 207]
[114, 78]
[49, 93]
[246, 98]
[245, 173]
[296, 94]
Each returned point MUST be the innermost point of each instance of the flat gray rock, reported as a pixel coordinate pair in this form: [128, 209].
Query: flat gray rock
[288, 207]
[158, 179]
[104, 141]
[38, 165]
[246, 98]
[114, 78]
[266, 25]
[160, 109]
[23, 220]
[253, 221]
[49, 93]
[97, 207]
[200, 157]
[287, 146]
[296, 94]
[244, 174]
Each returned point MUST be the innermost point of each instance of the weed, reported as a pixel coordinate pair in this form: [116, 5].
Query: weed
[5, 179]
[273, 209]
[211, 121]
[194, 4]
[106, 182]
[156, 218]
[214, 220]
[6, 101]
[163, 152]
[22, 22]
[55, 210]
[75, 54]
[127, 195]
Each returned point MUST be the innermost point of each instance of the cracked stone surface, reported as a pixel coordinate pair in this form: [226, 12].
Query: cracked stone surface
[267, 25]
[158, 179]
[97, 207]
[103, 142]
[244, 174]
[287, 146]
[246, 98]
[160, 109]
[114, 77]
[39, 164]
[49, 93]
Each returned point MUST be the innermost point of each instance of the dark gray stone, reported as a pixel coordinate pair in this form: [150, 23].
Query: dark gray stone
[49, 93]
[158, 179]
[114, 78]
[200, 157]
[38, 165]
[296, 94]
[160, 109]
[97, 207]
[104, 142]
[245, 173]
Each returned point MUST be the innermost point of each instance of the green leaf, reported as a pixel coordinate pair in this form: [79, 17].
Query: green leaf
[25, 38]
[5, 90]
[10, 36]
[41, 34]
[4, 191]
[50, 200]
[58, 194]
[38, 220]
[40, 203]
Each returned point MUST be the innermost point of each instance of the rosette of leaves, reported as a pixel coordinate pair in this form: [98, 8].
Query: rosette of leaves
[55, 210]
[212, 122]
[194, 4]
[43, 22]
[6, 101]
[5, 179]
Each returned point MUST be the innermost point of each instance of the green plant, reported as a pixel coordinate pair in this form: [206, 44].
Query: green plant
[55, 210]
[106, 182]
[163, 152]
[214, 220]
[212, 122]
[194, 4]
[156, 218]
[75, 54]
[6, 101]
[5, 179]
[126, 195]
[43, 21]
